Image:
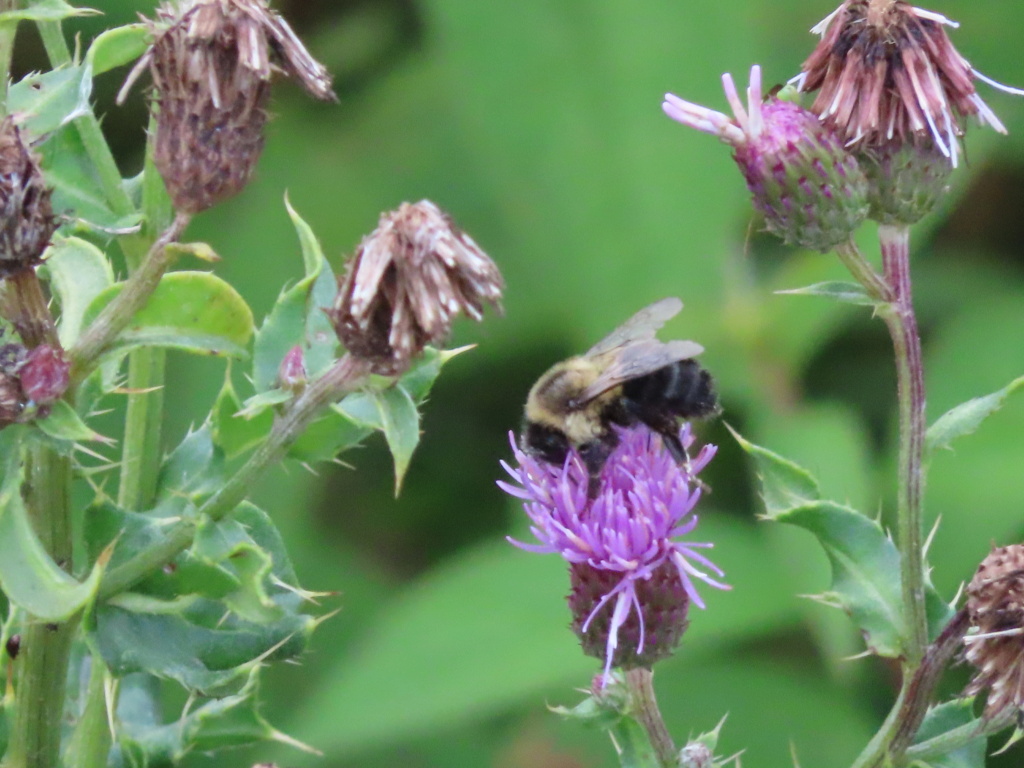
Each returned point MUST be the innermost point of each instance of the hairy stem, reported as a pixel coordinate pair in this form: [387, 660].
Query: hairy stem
[864, 273]
[641, 684]
[133, 297]
[141, 448]
[893, 739]
[45, 648]
[899, 317]
[25, 305]
[347, 375]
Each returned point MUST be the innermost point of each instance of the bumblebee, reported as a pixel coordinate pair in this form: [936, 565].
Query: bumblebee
[627, 378]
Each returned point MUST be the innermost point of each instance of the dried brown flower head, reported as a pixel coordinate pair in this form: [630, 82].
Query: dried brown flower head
[26, 215]
[211, 63]
[407, 282]
[995, 647]
[886, 71]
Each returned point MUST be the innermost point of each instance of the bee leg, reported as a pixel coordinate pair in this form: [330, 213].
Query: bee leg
[594, 454]
[672, 443]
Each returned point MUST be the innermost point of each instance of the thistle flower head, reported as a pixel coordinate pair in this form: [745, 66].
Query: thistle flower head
[211, 63]
[995, 644]
[406, 283]
[26, 215]
[44, 375]
[632, 573]
[887, 71]
[809, 188]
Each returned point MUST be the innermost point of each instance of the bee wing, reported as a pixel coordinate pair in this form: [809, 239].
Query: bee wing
[639, 359]
[640, 327]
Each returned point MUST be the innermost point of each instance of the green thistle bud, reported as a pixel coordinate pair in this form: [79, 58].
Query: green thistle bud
[905, 180]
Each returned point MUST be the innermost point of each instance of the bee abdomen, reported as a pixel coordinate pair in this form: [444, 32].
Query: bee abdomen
[682, 389]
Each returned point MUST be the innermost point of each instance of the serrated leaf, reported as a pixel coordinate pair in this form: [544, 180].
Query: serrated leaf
[400, 419]
[191, 647]
[331, 434]
[64, 424]
[965, 418]
[194, 469]
[947, 717]
[192, 311]
[117, 47]
[296, 318]
[78, 272]
[259, 404]
[46, 101]
[233, 433]
[46, 10]
[784, 484]
[847, 293]
[231, 721]
[76, 190]
[28, 576]
[865, 563]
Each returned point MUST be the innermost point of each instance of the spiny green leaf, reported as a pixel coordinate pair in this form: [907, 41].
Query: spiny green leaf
[965, 418]
[65, 425]
[401, 424]
[117, 47]
[46, 10]
[231, 721]
[848, 293]
[192, 647]
[947, 717]
[865, 570]
[865, 562]
[78, 272]
[193, 311]
[75, 186]
[195, 468]
[46, 101]
[296, 317]
[785, 485]
[29, 577]
[233, 433]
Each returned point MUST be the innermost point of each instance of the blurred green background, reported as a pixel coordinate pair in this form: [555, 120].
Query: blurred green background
[537, 125]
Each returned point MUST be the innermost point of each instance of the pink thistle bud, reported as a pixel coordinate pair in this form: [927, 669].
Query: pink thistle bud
[810, 190]
[995, 644]
[292, 373]
[45, 375]
[886, 71]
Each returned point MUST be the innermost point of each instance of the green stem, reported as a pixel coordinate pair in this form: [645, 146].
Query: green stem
[133, 297]
[641, 684]
[899, 317]
[90, 743]
[45, 648]
[865, 274]
[347, 375]
[141, 451]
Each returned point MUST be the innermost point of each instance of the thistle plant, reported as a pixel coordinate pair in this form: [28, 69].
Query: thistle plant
[171, 575]
[878, 140]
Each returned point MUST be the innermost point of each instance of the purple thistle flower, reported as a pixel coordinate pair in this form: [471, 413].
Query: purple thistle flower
[631, 579]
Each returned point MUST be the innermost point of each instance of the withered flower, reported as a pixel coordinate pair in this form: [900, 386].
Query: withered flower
[211, 63]
[26, 215]
[887, 72]
[408, 280]
[995, 645]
